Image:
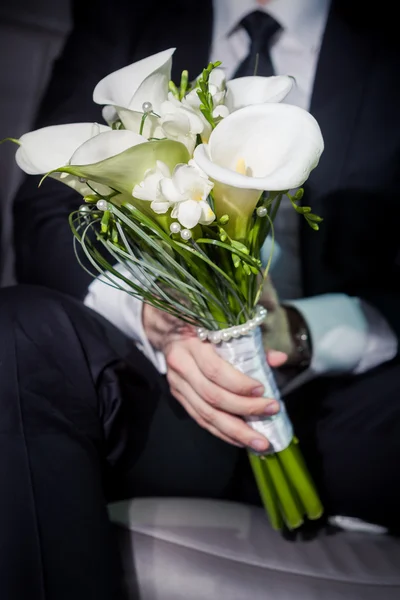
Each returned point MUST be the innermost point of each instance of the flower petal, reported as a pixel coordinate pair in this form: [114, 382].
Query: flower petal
[105, 145]
[46, 149]
[207, 215]
[123, 171]
[170, 191]
[149, 188]
[188, 179]
[143, 81]
[220, 111]
[132, 120]
[279, 144]
[110, 115]
[217, 78]
[160, 207]
[246, 91]
[189, 213]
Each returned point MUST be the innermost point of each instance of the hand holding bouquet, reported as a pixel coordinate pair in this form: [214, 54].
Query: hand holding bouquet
[181, 188]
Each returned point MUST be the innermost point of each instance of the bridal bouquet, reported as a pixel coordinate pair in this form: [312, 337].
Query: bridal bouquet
[181, 188]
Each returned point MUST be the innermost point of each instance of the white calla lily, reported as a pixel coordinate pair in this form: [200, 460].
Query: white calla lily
[105, 145]
[247, 91]
[268, 147]
[45, 149]
[130, 87]
[143, 81]
[188, 190]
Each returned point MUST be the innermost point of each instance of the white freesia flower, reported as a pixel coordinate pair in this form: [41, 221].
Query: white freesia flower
[149, 188]
[188, 190]
[247, 91]
[128, 88]
[270, 147]
[180, 123]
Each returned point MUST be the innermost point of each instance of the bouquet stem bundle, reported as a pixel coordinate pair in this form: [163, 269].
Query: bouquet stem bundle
[287, 491]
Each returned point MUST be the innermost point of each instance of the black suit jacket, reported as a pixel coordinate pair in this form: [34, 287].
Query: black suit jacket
[355, 100]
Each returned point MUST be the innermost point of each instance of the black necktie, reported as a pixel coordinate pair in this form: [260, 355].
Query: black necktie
[261, 27]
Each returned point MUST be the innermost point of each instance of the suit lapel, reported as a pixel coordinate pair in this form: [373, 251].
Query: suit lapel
[339, 86]
[343, 67]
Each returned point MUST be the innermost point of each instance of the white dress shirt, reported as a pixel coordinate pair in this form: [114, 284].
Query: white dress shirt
[347, 335]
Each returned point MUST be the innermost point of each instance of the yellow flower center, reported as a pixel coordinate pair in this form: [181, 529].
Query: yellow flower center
[241, 167]
[197, 195]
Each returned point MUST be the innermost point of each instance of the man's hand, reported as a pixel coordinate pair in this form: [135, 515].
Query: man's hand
[213, 392]
[279, 329]
[277, 337]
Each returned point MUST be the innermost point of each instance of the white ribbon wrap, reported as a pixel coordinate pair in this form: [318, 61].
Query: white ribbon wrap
[247, 354]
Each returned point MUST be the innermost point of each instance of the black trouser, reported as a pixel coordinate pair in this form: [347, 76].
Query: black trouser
[85, 419]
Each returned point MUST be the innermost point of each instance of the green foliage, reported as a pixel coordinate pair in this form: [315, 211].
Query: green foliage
[310, 217]
[207, 104]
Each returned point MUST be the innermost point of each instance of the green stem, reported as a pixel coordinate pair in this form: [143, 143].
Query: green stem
[266, 490]
[142, 122]
[295, 468]
[291, 514]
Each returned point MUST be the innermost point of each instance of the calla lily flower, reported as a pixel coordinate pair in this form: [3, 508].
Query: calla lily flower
[247, 91]
[48, 148]
[43, 150]
[130, 87]
[105, 145]
[268, 147]
[125, 170]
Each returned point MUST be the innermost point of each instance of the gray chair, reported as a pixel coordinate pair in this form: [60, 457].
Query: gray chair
[182, 549]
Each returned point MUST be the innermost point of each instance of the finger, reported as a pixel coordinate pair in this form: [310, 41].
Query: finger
[226, 425]
[219, 371]
[203, 424]
[184, 364]
[223, 400]
[276, 358]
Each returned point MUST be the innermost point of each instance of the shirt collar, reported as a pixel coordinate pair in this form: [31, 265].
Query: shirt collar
[304, 19]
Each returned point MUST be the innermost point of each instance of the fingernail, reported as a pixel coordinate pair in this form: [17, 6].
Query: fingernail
[259, 445]
[257, 391]
[271, 408]
[276, 358]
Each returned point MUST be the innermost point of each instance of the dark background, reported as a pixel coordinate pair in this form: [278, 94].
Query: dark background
[32, 33]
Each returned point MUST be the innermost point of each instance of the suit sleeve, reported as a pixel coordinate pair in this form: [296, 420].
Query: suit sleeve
[98, 44]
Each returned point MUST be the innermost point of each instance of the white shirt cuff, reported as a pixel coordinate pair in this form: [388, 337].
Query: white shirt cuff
[125, 312]
[347, 336]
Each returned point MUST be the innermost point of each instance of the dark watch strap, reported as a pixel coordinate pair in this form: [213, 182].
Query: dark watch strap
[301, 339]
